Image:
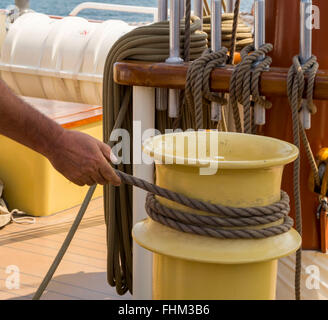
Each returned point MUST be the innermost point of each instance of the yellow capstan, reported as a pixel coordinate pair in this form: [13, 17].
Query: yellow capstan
[248, 173]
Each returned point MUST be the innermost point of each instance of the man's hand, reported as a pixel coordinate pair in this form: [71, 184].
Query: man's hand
[82, 159]
[79, 157]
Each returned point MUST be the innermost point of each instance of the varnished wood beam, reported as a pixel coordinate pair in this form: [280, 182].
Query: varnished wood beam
[161, 75]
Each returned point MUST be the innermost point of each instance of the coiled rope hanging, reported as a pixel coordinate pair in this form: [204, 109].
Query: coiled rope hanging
[244, 85]
[150, 43]
[197, 90]
[295, 88]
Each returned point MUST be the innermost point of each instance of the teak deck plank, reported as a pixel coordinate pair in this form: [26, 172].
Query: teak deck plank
[32, 248]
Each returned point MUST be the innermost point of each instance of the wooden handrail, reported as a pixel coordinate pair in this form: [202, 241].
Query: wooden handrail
[161, 75]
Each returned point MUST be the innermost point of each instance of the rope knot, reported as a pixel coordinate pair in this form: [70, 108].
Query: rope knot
[296, 83]
[245, 83]
[197, 91]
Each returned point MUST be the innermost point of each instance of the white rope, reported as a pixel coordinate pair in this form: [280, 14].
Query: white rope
[22, 220]
[6, 217]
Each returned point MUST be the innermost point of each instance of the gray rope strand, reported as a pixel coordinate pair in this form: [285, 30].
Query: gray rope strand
[208, 207]
[81, 212]
[216, 226]
[192, 223]
[65, 245]
[295, 86]
[224, 233]
[206, 220]
[295, 89]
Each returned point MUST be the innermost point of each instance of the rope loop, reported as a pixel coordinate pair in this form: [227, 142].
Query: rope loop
[244, 83]
[197, 90]
[296, 82]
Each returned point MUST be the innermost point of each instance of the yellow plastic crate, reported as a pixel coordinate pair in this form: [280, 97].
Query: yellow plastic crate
[31, 183]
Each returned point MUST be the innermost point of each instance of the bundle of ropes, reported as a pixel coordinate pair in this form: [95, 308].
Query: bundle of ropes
[148, 43]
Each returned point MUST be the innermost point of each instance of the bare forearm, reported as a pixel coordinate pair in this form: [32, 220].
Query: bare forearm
[24, 124]
[79, 157]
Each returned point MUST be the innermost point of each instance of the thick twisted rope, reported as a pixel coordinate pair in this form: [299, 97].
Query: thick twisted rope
[295, 89]
[213, 226]
[310, 68]
[244, 84]
[197, 89]
[148, 43]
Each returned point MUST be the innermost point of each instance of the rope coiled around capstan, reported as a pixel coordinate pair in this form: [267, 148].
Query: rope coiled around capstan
[224, 217]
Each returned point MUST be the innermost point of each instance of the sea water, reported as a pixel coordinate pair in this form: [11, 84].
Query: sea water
[64, 7]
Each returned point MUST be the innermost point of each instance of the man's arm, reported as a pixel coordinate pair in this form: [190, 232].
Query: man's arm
[79, 157]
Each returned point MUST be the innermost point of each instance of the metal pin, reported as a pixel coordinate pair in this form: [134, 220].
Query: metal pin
[259, 40]
[198, 10]
[230, 5]
[162, 94]
[162, 10]
[174, 95]
[216, 44]
[305, 51]
[182, 9]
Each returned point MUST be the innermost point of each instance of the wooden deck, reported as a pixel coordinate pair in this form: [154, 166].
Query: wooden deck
[32, 248]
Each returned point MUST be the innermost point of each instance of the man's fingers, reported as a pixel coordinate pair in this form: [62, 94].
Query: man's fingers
[77, 182]
[98, 177]
[106, 169]
[109, 174]
[108, 154]
[89, 181]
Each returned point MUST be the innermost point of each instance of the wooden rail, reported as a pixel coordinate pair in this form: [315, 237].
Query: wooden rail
[161, 75]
